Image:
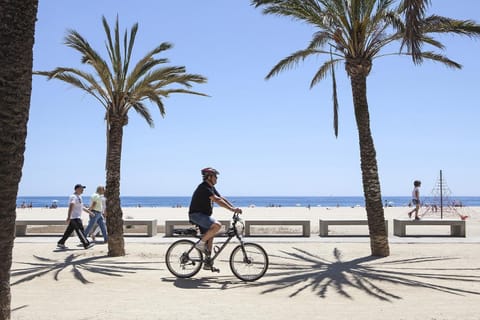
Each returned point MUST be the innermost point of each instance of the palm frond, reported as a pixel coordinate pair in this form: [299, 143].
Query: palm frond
[142, 110]
[74, 77]
[166, 93]
[414, 11]
[147, 63]
[129, 48]
[439, 24]
[319, 39]
[291, 61]
[334, 97]
[440, 58]
[91, 57]
[323, 71]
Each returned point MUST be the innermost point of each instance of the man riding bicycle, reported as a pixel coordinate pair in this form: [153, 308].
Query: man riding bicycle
[201, 207]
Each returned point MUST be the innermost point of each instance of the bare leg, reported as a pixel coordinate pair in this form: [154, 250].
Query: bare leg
[208, 237]
[417, 208]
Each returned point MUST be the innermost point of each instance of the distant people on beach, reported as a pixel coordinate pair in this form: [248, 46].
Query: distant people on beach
[415, 199]
[201, 208]
[24, 205]
[74, 218]
[97, 216]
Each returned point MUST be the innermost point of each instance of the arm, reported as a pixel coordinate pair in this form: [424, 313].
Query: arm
[87, 210]
[69, 212]
[225, 204]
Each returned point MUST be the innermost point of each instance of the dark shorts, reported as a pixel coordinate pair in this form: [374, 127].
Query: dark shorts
[202, 220]
[415, 201]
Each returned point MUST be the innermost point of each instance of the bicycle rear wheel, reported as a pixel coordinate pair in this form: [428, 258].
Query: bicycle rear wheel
[183, 259]
[249, 265]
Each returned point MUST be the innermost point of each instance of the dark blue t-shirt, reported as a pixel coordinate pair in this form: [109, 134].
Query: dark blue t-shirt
[201, 199]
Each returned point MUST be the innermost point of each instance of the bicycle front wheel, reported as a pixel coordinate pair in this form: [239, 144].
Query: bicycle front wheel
[183, 259]
[249, 262]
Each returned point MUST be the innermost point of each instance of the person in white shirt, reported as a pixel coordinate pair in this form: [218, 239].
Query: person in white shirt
[74, 219]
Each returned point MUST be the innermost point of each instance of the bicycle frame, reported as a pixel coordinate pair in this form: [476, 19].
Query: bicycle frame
[231, 232]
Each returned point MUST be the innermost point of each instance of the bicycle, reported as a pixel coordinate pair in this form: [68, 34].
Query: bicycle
[248, 261]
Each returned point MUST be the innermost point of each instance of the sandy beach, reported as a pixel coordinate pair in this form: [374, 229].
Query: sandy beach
[426, 277]
[314, 214]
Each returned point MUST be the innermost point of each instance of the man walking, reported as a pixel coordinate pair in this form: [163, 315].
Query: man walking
[96, 206]
[74, 218]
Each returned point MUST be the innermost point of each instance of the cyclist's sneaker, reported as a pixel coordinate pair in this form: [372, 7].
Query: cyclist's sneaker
[202, 246]
[208, 266]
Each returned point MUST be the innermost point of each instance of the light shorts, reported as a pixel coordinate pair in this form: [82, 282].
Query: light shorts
[202, 220]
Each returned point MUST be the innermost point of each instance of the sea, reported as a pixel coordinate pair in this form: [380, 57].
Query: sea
[256, 201]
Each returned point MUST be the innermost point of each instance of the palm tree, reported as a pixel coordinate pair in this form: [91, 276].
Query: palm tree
[119, 90]
[16, 57]
[355, 32]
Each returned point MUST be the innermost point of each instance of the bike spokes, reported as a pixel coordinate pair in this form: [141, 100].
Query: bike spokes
[182, 259]
[249, 263]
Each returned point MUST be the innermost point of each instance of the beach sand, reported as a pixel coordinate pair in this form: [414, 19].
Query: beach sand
[270, 213]
[308, 278]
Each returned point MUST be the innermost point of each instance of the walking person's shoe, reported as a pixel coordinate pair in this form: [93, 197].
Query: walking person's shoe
[89, 245]
[417, 218]
[61, 246]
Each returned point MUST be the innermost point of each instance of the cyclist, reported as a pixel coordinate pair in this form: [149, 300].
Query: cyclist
[201, 207]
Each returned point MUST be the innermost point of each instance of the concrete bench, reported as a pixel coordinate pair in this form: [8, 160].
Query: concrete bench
[21, 225]
[457, 227]
[170, 225]
[324, 224]
[305, 224]
[150, 223]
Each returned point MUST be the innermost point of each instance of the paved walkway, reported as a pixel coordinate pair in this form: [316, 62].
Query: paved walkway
[308, 278]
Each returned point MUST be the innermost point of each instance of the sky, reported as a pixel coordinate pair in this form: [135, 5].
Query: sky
[267, 138]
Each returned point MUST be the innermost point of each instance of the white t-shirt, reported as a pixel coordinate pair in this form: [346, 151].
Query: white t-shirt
[77, 206]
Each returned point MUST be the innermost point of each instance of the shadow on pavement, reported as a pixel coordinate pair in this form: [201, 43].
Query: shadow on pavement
[299, 270]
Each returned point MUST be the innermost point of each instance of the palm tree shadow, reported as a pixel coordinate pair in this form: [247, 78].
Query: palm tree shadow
[301, 270]
[78, 265]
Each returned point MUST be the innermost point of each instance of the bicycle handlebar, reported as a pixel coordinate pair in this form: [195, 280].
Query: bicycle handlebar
[236, 217]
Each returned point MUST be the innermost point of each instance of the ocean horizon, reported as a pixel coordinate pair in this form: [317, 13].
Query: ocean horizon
[257, 201]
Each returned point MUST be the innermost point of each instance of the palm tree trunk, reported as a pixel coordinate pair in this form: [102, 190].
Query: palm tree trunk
[116, 244]
[16, 46]
[371, 184]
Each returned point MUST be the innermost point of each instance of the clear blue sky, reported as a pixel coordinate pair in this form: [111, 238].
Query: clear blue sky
[266, 137]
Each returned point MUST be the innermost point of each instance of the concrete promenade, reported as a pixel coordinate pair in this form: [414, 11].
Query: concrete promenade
[309, 278]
